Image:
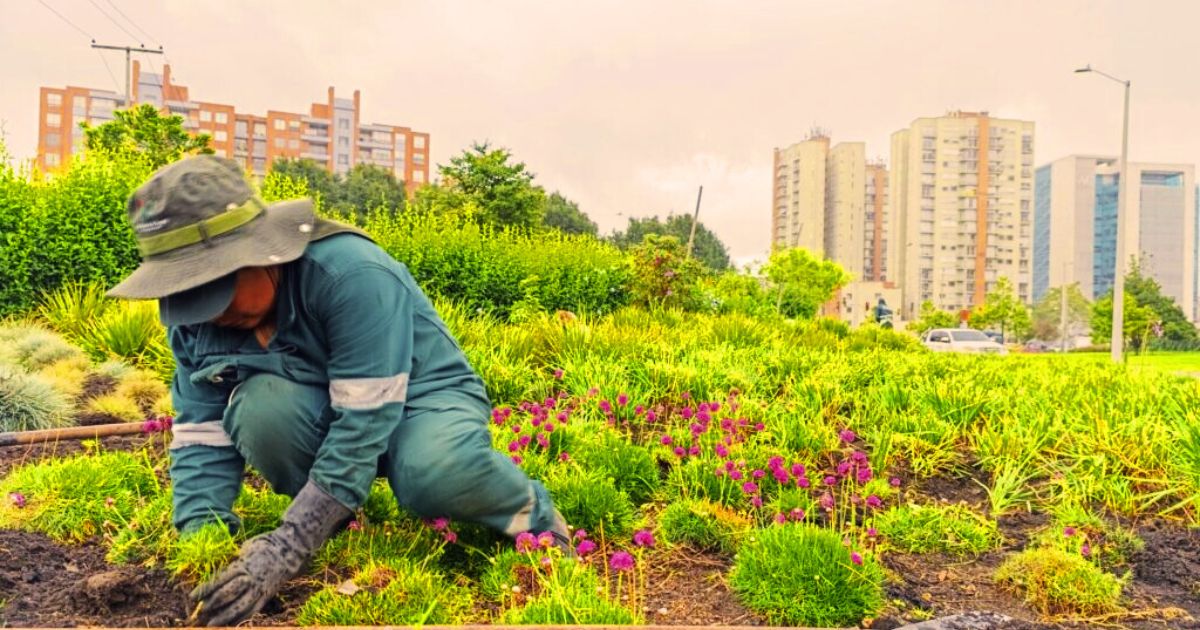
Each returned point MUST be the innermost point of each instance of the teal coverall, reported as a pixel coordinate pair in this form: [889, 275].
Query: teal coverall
[361, 380]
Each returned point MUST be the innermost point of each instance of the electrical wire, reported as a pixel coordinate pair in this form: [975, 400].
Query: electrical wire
[111, 19]
[116, 84]
[69, 22]
[131, 22]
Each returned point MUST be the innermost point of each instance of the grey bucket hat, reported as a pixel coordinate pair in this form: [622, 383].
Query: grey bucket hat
[197, 222]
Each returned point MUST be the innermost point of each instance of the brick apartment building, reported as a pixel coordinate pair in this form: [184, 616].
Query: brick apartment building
[331, 133]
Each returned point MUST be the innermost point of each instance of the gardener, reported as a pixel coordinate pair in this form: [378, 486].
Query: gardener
[303, 349]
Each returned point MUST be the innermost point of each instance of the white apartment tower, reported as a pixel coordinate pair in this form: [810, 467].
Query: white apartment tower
[962, 197]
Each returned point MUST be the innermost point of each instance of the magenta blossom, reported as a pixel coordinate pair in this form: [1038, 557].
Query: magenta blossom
[843, 469]
[558, 374]
[580, 534]
[874, 501]
[513, 447]
[605, 406]
[775, 462]
[1086, 550]
[687, 413]
[830, 480]
[526, 542]
[796, 514]
[545, 540]
[826, 501]
[781, 475]
[749, 487]
[1068, 531]
[450, 537]
[760, 427]
[651, 416]
[756, 501]
[516, 428]
[622, 399]
[585, 547]
[694, 451]
[354, 526]
[864, 475]
[758, 474]
[517, 459]
[151, 426]
[803, 482]
[780, 518]
[872, 532]
[894, 482]
[643, 538]
[722, 450]
[438, 524]
[856, 558]
[679, 452]
[564, 456]
[548, 427]
[666, 440]
[621, 561]
[735, 475]
[847, 436]
[562, 416]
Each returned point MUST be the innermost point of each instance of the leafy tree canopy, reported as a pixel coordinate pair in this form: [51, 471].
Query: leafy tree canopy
[931, 317]
[707, 248]
[367, 187]
[564, 215]
[802, 281]
[501, 190]
[144, 130]
[1002, 309]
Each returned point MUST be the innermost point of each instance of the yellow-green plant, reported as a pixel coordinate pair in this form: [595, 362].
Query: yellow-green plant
[29, 403]
[1056, 582]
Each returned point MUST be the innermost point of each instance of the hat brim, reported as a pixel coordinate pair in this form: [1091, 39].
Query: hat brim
[278, 235]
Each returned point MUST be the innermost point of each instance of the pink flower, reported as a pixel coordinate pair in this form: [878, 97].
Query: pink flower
[756, 501]
[167, 422]
[517, 459]
[548, 427]
[830, 480]
[563, 457]
[679, 452]
[638, 410]
[450, 537]
[1086, 550]
[781, 475]
[894, 482]
[872, 532]
[758, 474]
[858, 456]
[545, 540]
[847, 435]
[665, 440]
[562, 416]
[796, 514]
[593, 391]
[580, 534]
[722, 450]
[354, 526]
[643, 538]
[605, 406]
[803, 482]
[864, 475]
[856, 558]
[524, 440]
[749, 487]
[874, 501]
[780, 518]
[438, 524]
[526, 542]
[775, 462]
[151, 426]
[735, 475]
[694, 451]
[585, 547]
[1068, 531]
[686, 414]
[516, 428]
[843, 469]
[621, 561]
[622, 399]
[558, 374]
[513, 446]
[826, 501]
[651, 416]
[109, 502]
[760, 427]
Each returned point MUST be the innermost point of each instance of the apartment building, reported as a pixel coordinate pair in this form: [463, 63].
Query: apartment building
[331, 133]
[961, 196]
[830, 201]
[1075, 226]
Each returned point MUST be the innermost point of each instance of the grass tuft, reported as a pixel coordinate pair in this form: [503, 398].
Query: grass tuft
[949, 529]
[1056, 582]
[703, 525]
[396, 592]
[30, 403]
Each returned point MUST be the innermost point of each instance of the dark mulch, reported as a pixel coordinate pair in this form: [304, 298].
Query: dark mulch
[21, 454]
[685, 587]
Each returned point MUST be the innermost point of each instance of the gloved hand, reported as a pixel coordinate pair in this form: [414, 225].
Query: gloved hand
[266, 562]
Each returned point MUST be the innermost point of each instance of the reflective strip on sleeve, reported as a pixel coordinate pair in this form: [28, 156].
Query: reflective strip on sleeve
[210, 433]
[367, 394]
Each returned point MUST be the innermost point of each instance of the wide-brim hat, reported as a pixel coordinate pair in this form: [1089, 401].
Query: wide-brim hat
[197, 223]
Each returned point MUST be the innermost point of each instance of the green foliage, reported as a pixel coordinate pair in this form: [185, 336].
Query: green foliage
[30, 403]
[73, 308]
[395, 592]
[592, 502]
[1055, 582]
[564, 215]
[1150, 317]
[707, 248]
[1047, 314]
[801, 575]
[144, 131]
[565, 592]
[631, 467]
[1136, 320]
[148, 537]
[1002, 309]
[376, 542]
[702, 525]
[949, 529]
[803, 282]
[482, 181]
[931, 317]
[69, 499]
[734, 292]
[199, 556]
[662, 276]
[1079, 531]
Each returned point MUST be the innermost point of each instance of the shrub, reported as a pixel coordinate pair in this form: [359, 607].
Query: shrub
[75, 498]
[72, 308]
[703, 525]
[1056, 582]
[1078, 531]
[951, 529]
[67, 376]
[395, 593]
[590, 501]
[29, 403]
[661, 275]
[34, 348]
[797, 574]
[631, 467]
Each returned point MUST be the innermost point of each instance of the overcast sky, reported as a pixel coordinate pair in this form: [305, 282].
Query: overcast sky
[628, 106]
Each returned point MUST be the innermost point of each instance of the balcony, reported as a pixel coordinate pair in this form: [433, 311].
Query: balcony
[316, 157]
[310, 136]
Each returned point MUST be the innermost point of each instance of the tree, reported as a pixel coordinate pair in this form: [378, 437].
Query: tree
[1047, 314]
[564, 215]
[1002, 308]
[370, 187]
[1137, 321]
[319, 180]
[1147, 292]
[504, 192]
[931, 317]
[707, 247]
[802, 281]
[143, 130]
[661, 276]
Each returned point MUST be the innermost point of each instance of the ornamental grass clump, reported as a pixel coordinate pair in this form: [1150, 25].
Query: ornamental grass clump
[703, 525]
[1078, 531]
[631, 467]
[198, 556]
[30, 403]
[1056, 582]
[392, 592]
[75, 498]
[797, 574]
[950, 529]
[591, 501]
[360, 544]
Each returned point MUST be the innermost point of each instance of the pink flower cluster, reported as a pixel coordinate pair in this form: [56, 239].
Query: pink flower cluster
[161, 424]
[535, 424]
[442, 524]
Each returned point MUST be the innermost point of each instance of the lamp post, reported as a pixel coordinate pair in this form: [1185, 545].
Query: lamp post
[1123, 189]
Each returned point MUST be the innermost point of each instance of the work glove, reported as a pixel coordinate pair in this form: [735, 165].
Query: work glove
[268, 561]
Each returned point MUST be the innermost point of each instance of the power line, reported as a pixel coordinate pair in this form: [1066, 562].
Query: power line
[116, 83]
[131, 22]
[114, 21]
[69, 22]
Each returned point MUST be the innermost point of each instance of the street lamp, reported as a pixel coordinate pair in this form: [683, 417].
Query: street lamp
[1123, 188]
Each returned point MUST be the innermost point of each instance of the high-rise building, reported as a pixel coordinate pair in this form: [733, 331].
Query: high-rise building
[1075, 226]
[961, 197]
[830, 202]
[331, 133]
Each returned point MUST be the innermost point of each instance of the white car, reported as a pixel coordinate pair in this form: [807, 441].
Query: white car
[961, 340]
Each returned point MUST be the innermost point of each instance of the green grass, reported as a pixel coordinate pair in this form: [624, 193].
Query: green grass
[1185, 363]
[950, 529]
[1055, 582]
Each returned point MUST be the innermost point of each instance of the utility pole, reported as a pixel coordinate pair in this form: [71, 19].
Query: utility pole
[129, 50]
[695, 220]
[1062, 322]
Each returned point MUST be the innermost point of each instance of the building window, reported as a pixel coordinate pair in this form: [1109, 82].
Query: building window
[222, 118]
[343, 141]
[54, 99]
[239, 129]
[418, 177]
[399, 143]
[52, 159]
[343, 123]
[280, 143]
[343, 160]
[419, 159]
[280, 124]
[293, 144]
[260, 165]
[53, 140]
[418, 142]
[205, 115]
[221, 136]
[80, 105]
[53, 120]
[294, 125]
[260, 130]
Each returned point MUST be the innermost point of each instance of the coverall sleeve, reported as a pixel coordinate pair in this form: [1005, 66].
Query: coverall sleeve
[206, 470]
[367, 315]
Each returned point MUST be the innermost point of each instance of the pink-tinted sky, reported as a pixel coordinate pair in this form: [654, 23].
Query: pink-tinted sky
[627, 106]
